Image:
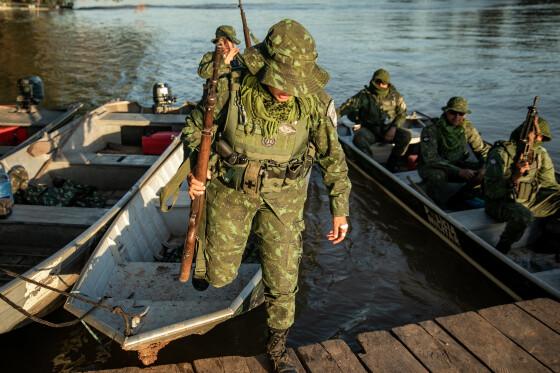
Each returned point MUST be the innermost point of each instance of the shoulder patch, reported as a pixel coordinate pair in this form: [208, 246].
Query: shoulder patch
[426, 138]
[331, 113]
[492, 161]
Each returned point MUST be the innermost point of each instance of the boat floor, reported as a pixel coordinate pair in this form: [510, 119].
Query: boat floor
[153, 288]
[39, 118]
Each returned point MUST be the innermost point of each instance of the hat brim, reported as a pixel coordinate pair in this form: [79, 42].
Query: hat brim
[297, 81]
[446, 109]
[233, 40]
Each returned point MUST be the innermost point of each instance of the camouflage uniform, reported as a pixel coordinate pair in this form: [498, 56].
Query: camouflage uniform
[538, 192]
[444, 151]
[262, 185]
[377, 110]
[206, 64]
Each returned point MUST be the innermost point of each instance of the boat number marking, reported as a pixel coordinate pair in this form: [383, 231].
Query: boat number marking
[442, 225]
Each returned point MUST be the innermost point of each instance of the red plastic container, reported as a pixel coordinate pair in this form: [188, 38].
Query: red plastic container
[156, 143]
[12, 135]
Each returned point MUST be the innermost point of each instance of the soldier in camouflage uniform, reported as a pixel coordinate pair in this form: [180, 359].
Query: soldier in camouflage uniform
[276, 120]
[227, 38]
[380, 111]
[444, 153]
[518, 201]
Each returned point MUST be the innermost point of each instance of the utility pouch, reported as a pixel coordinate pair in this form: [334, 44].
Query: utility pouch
[294, 170]
[524, 191]
[252, 177]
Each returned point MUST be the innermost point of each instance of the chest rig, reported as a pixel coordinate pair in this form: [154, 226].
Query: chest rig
[528, 185]
[249, 162]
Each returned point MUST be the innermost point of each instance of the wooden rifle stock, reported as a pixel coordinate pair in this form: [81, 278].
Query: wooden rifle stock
[246, 33]
[201, 169]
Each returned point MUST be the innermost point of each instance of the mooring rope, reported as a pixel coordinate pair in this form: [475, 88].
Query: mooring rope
[113, 309]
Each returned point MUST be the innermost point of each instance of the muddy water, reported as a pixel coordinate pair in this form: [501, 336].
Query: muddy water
[390, 271]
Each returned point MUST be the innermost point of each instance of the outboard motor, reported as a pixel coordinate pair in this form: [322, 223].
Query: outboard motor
[30, 92]
[163, 99]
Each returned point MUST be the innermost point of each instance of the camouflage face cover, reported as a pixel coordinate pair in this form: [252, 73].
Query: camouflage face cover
[227, 32]
[289, 58]
[19, 178]
[458, 104]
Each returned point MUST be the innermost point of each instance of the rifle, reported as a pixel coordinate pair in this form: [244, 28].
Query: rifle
[201, 169]
[524, 145]
[245, 27]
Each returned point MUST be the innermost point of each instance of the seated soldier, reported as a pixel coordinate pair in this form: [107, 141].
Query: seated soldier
[380, 111]
[517, 198]
[444, 153]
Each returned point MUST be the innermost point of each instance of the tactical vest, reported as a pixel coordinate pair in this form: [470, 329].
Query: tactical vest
[255, 166]
[380, 111]
[528, 185]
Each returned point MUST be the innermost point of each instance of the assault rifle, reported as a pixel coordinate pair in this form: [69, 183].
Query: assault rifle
[524, 144]
[201, 169]
[246, 33]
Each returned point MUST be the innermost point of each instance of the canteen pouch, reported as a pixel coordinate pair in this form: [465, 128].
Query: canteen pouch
[232, 174]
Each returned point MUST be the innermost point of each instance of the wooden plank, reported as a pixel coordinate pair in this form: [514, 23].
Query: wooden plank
[210, 365]
[545, 310]
[383, 353]
[169, 368]
[258, 364]
[529, 333]
[317, 360]
[488, 344]
[436, 349]
[234, 364]
[343, 356]
[295, 361]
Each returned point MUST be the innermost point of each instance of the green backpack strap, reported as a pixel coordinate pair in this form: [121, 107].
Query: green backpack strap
[171, 189]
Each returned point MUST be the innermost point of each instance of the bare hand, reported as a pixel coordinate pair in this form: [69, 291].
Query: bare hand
[479, 176]
[339, 231]
[523, 167]
[466, 173]
[196, 187]
[356, 127]
[390, 134]
[230, 55]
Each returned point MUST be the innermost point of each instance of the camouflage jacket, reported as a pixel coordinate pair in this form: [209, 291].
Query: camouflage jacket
[322, 136]
[444, 146]
[499, 167]
[206, 63]
[377, 114]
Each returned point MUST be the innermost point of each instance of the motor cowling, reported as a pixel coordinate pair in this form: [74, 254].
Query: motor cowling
[163, 98]
[30, 92]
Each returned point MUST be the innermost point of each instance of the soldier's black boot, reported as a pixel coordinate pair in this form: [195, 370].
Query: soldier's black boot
[503, 246]
[277, 352]
[391, 164]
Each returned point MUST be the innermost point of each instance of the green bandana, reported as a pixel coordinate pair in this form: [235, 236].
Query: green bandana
[266, 112]
[377, 91]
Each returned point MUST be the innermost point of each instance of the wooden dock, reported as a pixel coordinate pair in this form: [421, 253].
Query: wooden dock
[520, 337]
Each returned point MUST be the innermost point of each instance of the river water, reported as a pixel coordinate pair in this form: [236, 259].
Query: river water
[390, 271]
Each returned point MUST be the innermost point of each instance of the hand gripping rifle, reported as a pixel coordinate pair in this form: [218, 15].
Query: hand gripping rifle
[246, 33]
[201, 169]
[524, 144]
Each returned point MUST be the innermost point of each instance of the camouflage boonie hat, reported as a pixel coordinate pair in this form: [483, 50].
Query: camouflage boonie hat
[225, 31]
[19, 178]
[458, 104]
[289, 60]
[382, 75]
[544, 128]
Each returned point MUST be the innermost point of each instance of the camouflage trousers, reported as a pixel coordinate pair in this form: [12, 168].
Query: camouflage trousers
[364, 138]
[519, 216]
[277, 222]
[437, 182]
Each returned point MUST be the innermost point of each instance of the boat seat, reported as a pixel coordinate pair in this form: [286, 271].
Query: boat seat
[412, 175]
[54, 215]
[477, 221]
[103, 159]
[141, 119]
